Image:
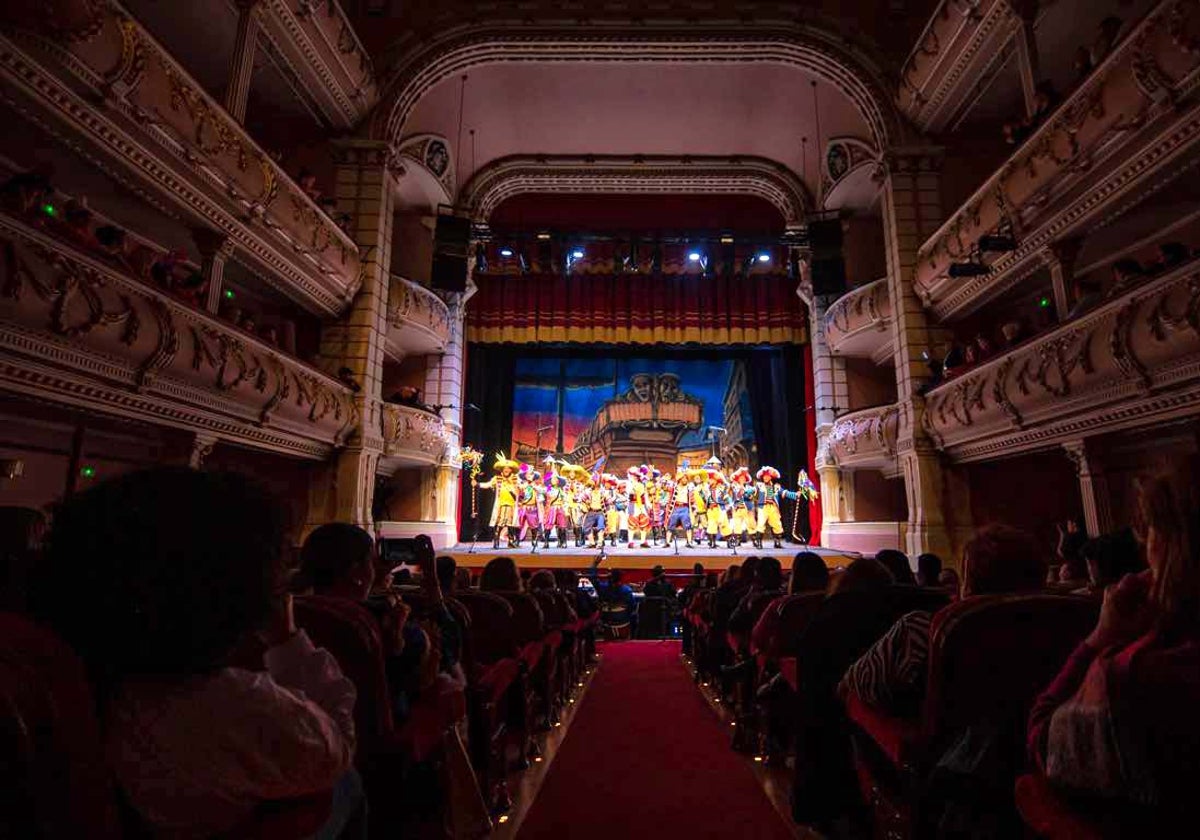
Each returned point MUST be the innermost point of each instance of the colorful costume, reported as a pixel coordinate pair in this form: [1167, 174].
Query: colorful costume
[680, 516]
[528, 503]
[594, 516]
[639, 516]
[742, 496]
[715, 505]
[769, 495]
[554, 516]
[504, 508]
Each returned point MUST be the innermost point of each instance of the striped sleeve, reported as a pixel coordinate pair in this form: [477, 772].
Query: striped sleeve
[895, 665]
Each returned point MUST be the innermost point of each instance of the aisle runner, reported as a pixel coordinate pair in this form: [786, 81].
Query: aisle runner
[646, 757]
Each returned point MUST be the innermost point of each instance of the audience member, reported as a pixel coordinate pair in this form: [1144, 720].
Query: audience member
[658, 586]
[896, 562]
[1119, 720]
[1012, 332]
[26, 192]
[1071, 539]
[21, 532]
[1106, 39]
[113, 243]
[809, 573]
[948, 579]
[891, 674]
[1126, 273]
[308, 184]
[929, 567]
[865, 573]
[1109, 558]
[617, 604]
[1087, 296]
[77, 226]
[768, 586]
[500, 575]
[154, 578]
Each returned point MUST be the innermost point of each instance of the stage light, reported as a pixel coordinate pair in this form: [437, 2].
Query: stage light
[506, 252]
[968, 269]
[543, 236]
[726, 240]
[49, 209]
[764, 257]
[997, 242]
[694, 256]
[503, 818]
[577, 254]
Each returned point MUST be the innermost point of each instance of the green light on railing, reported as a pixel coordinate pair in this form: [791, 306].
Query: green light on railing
[229, 295]
[87, 472]
[49, 209]
[1044, 303]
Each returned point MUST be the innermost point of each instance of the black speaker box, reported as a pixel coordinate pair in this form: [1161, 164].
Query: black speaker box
[828, 275]
[825, 237]
[451, 239]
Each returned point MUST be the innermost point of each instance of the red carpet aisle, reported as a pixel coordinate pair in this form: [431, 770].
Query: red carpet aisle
[645, 757]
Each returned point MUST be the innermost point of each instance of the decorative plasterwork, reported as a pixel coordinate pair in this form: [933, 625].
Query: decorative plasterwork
[418, 320]
[1133, 361]
[412, 437]
[169, 137]
[866, 439]
[432, 153]
[320, 48]
[842, 156]
[76, 330]
[509, 176]
[1144, 80]
[859, 323]
[961, 45]
[820, 51]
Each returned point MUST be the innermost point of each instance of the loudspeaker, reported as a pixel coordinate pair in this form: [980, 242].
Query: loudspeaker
[451, 238]
[828, 276]
[825, 237]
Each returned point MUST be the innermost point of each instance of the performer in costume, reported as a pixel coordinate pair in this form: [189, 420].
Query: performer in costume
[528, 502]
[504, 507]
[769, 495]
[656, 498]
[621, 502]
[699, 511]
[555, 514]
[594, 515]
[741, 493]
[639, 517]
[716, 504]
[612, 517]
[680, 516]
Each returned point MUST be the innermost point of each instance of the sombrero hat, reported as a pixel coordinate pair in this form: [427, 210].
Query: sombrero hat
[504, 462]
[574, 472]
[767, 471]
[740, 474]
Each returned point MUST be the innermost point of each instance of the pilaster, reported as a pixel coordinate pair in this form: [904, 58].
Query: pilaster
[215, 248]
[1093, 486]
[831, 396]
[353, 347]
[1060, 260]
[241, 70]
[912, 211]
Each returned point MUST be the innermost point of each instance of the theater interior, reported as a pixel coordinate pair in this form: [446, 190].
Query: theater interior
[530, 419]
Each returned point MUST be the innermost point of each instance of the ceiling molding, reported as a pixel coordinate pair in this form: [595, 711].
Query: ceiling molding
[624, 174]
[804, 45]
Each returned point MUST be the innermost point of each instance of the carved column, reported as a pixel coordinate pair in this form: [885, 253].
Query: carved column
[1028, 64]
[1093, 486]
[831, 396]
[215, 248]
[911, 212]
[1060, 259]
[202, 446]
[356, 343]
[241, 71]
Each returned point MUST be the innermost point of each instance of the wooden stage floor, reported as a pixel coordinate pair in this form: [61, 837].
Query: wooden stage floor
[622, 557]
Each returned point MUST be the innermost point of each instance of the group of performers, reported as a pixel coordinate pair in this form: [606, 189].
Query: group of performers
[645, 508]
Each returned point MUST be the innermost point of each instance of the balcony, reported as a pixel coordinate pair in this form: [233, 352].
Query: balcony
[866, 439]
[316, 40]
[962, 44]
[418, 320]
[133, 110]
[1124, 132]
[413, 438]
[1131, 362]
[77, 330]
[859, 323]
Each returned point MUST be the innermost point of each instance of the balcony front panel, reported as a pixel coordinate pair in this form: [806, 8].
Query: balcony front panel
[963, 43]
[130, 108]
[1131, 362]
[859, 323]
[866, 439]
[76, 330]
[316, 40]
[1130, 118]
[413, 438]
[418, 320]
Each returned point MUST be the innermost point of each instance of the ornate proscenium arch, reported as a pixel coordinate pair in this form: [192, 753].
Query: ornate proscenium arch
[806, 45]
[622, 174]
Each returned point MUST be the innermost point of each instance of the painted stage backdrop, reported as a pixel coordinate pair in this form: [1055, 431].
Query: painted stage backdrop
[614, 413]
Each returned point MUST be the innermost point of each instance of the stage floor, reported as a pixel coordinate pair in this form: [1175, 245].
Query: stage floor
[637, 558]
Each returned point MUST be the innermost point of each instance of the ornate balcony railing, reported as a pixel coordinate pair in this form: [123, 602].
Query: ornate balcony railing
[962, 43]
[859, 323]
[78, 330]
[1134, 360]
[418, 320]
[866, 439]
[316, 38]
[111, 85]
[412, 437]
[1089, 140]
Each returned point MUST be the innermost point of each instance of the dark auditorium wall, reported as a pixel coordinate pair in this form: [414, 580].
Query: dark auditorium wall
[1031, 492]
[878, 498]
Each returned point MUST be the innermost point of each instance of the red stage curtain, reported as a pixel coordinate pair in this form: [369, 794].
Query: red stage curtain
[678, 305]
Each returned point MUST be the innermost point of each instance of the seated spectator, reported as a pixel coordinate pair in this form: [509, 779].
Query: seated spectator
[865, 573]
[1170, 255]
[1045, 100]
[929, 566]
[1087, 296]
[21, 532]
[1082, 63]
[948, 579]
[809, 574]
[77, 219]
[1071, 539]
[248, 323]
[768, 586]
[954, 360]
[328, 206]
[113, 244]
[269, 335]
[896, 562]
[658, 586]
[462, 578]
[617, 604]
[983, 347]
[346, 376]
[891, 674]
[1106, 39]
[448, 574]
[1126, 274]
[26, 192]
[1109, 558]
[155, 578]
[308, 184]
[500, 575]
[1119, 721]
[1012, 332]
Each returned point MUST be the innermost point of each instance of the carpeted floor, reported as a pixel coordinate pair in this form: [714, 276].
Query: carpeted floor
[646, 757]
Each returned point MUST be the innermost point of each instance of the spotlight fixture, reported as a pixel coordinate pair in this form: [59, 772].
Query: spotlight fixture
[506, 252]
[968, 269]
[764, 257]
[694, 256]
[543, 235]
[726, 240]
[577, 254]
[997, 242]
[1044, 303]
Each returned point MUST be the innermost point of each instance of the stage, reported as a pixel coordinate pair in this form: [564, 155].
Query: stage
[621, 557]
